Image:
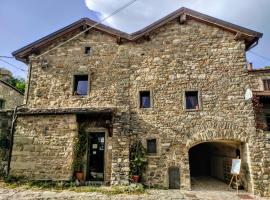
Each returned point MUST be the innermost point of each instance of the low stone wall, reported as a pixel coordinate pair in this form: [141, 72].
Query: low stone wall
[5, 125]
[43, 147]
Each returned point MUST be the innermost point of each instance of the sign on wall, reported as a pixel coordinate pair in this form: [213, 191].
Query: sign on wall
[236, 165]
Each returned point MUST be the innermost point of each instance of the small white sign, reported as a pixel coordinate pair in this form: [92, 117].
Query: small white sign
[94, 146]
[248, 94]
[236, 166]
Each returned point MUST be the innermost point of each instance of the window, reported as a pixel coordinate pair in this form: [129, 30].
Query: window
[152, 146]
[266, 84]
[80, 85]
[87, 50]
[145, 101]
[2, 104]
[191, 100]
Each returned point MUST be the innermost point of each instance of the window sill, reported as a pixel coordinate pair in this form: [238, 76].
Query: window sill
[152, 156]
[145, 108]
[80, 96]
[192, 110]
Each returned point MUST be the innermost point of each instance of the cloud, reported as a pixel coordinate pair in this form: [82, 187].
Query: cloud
[144, 12]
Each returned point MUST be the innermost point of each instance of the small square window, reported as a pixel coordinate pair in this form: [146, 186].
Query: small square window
[87, 50]
[145, 100]
[2, 104]
[192, 100]
[266, 84]
[80, 85]
[152, 146]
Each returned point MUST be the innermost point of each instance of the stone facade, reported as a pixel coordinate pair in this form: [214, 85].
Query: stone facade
[262, 139]
[11, 96]
[5, 125]
[177, 58]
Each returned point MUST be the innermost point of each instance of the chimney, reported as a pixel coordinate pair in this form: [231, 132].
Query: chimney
[5, 74]
[249, 66]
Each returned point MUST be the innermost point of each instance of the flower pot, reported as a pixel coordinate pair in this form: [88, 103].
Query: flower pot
[79, 176]
[135, 178]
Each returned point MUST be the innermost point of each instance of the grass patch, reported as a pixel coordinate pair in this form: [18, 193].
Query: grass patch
[21, 182]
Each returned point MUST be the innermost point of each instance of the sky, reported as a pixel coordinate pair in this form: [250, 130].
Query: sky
[23, 22]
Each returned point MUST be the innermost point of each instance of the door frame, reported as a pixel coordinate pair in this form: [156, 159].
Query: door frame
[98, 130]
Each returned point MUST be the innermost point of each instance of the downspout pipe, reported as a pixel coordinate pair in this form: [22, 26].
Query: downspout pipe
[14, 118]
[254, 45]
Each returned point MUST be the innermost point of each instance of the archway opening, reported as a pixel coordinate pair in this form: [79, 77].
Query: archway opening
[210, 164]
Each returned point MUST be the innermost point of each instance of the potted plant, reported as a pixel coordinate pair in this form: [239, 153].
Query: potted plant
[78, 170]
[138, 161]
[79, 152]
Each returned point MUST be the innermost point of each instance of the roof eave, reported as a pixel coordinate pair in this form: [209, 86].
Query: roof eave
[249, 35]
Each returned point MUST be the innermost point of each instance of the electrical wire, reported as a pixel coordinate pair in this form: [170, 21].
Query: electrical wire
[12, 65]
[105, 18]
[96, 24]
[7, 57]
[263, 57]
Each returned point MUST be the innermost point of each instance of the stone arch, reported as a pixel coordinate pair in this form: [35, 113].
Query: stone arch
[215, 131]
[218, 160]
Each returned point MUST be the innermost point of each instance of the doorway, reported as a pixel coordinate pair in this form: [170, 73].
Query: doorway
[210, 164]
[174, 178]
[95, 157]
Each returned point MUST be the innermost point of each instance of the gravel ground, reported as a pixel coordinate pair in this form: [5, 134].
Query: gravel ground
[13, 194]
[203, 188]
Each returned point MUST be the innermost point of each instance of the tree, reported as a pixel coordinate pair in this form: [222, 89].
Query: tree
[267, 67]
[18, 83]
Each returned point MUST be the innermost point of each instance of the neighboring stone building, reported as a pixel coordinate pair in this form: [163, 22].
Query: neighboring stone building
[10, 97]
[5, 74]
[178, 84]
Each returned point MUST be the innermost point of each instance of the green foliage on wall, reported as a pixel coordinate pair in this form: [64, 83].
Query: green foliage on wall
[18, 83]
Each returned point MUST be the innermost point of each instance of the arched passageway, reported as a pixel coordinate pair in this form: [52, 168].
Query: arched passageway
[210, 164]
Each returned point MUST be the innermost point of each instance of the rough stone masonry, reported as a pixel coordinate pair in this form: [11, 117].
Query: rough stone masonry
[167, 62]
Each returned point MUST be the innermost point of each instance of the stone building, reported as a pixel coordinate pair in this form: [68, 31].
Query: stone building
[10, 97]
[179, 85]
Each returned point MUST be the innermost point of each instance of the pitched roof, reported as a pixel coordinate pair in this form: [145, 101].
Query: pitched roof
[248, 35]
[263, 70]
[12, 87]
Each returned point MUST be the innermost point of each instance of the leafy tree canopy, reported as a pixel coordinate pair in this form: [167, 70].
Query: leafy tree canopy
[18, 83]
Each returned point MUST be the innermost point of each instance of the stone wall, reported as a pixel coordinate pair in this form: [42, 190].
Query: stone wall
[43, 147]
[11, 97]
[261, 149]
[5, 126]
[177, 58]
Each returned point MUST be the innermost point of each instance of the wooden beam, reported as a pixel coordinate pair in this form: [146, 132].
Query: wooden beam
[182, 19]
[119, 40]
[238, 36]
[147, 37]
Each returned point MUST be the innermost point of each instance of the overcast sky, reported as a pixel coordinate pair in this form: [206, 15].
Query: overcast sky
[23, 22]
